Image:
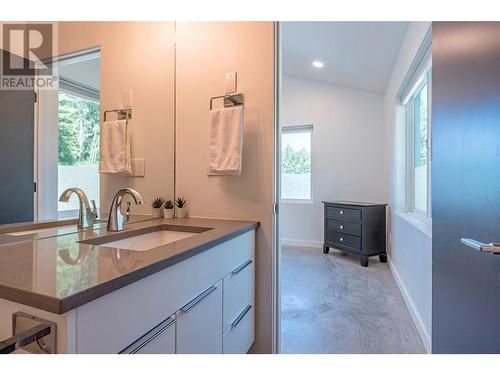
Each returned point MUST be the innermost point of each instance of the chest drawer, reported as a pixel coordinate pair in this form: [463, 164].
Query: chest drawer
[347, 240]
[343, 227]
[342, 213]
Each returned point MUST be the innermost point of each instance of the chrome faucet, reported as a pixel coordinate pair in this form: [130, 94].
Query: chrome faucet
[87, 216]
[116, 219]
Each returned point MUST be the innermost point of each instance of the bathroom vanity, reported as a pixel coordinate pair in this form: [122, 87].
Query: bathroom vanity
[159, 286]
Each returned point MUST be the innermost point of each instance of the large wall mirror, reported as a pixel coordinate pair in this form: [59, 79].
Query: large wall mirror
[53, 142]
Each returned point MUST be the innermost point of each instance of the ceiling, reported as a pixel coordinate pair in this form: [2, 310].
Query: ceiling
[83, 70]
[360, 55]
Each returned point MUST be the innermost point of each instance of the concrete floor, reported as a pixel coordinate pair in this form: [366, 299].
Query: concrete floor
[330, 304]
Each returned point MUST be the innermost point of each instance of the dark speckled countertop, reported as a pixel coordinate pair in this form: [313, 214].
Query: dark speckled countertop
[56, 273]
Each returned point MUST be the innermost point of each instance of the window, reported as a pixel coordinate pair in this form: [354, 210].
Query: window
[418, 130]
[413, 141]
[296, 177]
[78, 148]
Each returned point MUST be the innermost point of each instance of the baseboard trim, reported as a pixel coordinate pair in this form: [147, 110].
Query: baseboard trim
[417, 319]
[300, 243]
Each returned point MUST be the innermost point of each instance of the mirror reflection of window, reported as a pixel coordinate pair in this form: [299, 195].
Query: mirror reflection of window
[78, 128]
[78, 147]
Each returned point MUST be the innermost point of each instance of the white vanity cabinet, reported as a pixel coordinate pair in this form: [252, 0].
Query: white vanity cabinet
[199, 323]
[206, 296]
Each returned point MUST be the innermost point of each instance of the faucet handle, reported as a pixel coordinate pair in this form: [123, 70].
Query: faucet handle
[94, 208]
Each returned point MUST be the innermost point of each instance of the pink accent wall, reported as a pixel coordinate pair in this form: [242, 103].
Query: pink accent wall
[205, 52]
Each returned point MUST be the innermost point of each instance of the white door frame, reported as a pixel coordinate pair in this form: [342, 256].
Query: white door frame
[276, 193]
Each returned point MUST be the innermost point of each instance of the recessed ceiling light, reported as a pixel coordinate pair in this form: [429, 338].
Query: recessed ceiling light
[318, 64]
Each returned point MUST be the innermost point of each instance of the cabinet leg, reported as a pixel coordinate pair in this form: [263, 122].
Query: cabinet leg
[383, 258]
[326, 249]
[364, 261]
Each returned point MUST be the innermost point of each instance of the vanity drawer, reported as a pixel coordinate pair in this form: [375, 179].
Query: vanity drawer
[239, 337]
[160, 340]
[239, 291]
[342, 213]
[346, 240]
[199, 324]
[343, 227]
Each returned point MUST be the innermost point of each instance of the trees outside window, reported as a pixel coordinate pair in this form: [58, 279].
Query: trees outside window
[296, 177]
[78, 147]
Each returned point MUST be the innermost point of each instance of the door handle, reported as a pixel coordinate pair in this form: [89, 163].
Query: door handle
[492, 248]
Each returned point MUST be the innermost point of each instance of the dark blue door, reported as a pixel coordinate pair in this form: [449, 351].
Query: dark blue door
[466, 186]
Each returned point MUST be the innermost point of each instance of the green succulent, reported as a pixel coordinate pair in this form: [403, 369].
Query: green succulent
[158, 202]
[180, 202]
[168, 205]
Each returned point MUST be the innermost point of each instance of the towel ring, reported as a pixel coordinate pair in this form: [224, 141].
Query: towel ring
[122, 114]
[230, 100]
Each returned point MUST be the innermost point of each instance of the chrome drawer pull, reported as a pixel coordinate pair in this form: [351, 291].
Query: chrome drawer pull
[341, 239]
[341, 227]
[341, 212]
[492, 248]
[150, 336]
[189, 306]
[240, 268]
[241, 316]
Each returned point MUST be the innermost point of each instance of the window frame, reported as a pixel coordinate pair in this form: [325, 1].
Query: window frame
[424, 217]
[288, 129]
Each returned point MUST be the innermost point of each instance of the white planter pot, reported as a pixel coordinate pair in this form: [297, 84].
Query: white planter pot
[168, 213]
[180, 212]
[156, 212]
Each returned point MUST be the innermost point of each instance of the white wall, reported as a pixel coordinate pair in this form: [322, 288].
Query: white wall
[410, 252]
[348, 158]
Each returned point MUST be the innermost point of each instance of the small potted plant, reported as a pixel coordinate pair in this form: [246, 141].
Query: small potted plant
[168, 209]
[180, 203]
[157, 206]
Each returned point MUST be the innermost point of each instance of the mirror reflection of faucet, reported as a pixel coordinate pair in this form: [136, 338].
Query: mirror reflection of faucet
[83, 253]
[86, 216]
[123, 262]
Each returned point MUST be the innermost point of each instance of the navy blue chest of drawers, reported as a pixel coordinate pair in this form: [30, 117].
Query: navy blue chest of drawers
[356, 227]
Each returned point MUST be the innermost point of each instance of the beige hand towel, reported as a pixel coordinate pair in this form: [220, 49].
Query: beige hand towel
[115, 148]
[225, 141]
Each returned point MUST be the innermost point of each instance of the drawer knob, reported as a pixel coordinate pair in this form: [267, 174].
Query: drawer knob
[341, 212]
[341, 227]
[341, 239]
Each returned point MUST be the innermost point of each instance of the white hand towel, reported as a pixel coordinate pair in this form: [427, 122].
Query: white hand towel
[225, 141]
[115, 148]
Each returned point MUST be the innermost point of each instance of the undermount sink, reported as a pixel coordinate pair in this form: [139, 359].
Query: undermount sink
[148, 241]
[146, 238]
